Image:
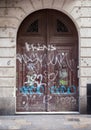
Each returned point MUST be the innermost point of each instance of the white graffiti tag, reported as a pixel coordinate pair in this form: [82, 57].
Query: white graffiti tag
[33, 60]
[51, 76]
[35, 79]
[39, 47]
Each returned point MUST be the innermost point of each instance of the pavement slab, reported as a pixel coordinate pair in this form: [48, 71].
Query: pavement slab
[45, 122]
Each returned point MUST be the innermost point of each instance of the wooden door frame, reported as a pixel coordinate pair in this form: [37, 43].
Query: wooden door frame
[70, 39]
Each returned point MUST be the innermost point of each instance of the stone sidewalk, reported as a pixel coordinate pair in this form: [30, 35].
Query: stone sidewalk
[45, 122]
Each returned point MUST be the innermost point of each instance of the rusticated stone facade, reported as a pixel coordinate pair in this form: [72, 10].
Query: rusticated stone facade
[12, 13]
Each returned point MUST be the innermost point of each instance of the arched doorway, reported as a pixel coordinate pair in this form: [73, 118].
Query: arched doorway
[47, 60]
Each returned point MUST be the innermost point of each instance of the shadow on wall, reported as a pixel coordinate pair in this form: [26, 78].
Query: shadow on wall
[89, 98]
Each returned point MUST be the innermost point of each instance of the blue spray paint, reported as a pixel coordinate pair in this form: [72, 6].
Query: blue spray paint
[24, 90]
[53, 89]
[40, 90]
[32, 90]
[70, 88]
[62, 89]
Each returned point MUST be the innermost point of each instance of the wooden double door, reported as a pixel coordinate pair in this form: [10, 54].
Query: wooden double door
[47, 59]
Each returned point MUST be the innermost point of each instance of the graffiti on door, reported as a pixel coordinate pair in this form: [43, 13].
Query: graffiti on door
[66, 101]
[34, 89]
[33, 85]
[31, 61]
[39, 47]
[57, 80]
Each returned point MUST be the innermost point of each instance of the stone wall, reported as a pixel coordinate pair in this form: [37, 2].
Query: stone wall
[12, 13]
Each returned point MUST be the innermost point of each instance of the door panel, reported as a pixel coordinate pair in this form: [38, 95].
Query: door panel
[62, 80]
[31, 91]
[47, 62]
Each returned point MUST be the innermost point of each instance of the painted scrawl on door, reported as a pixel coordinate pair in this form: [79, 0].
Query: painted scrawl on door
[33, 85]
[59, 73]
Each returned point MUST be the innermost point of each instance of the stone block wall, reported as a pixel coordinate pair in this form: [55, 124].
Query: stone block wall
[12, 13]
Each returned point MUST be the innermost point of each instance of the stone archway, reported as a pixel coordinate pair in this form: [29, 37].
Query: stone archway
[47, 47]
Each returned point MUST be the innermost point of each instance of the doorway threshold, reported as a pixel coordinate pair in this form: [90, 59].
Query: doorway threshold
[48, 113]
